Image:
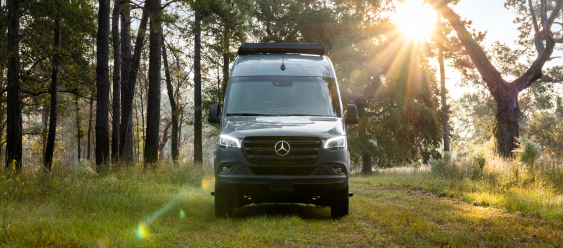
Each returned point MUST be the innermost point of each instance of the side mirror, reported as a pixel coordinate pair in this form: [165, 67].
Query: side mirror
[352, 114]
[214, 114]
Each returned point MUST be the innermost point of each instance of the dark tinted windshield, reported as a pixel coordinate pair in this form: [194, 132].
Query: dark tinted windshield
[275, 95]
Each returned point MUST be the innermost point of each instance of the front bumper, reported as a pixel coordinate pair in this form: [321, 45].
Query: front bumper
[314, 182]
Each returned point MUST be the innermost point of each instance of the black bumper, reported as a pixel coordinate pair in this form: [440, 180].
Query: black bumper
[315, 182]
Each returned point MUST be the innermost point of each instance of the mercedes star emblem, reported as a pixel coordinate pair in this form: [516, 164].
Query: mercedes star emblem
[282, 148]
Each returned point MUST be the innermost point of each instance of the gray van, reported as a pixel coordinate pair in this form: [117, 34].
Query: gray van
[282, 131]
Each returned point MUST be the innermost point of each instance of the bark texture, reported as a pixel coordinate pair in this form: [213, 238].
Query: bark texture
[128, 95]
[173, 107]
[13, 106]
[198, 147]
[103, 87]
[154, 92]
[116, 108]
[126, 151]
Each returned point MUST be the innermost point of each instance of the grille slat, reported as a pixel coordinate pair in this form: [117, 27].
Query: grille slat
[303, 150]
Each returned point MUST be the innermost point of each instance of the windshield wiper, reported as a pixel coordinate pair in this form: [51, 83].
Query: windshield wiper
[302, 115]
[247, 114]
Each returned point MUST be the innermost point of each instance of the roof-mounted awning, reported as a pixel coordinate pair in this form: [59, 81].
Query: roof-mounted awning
[301, 48]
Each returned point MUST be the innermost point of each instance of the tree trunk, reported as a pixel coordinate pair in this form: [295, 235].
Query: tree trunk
[366, 164]
[102, 83]
[78, 130]
[164, 140]
[54, 97]
[13, 108]
[507, 127]
[226, 63]
[173, 107]
[443, 95]
[126, 155]
[153, 106]
[88, 148]
[116, 81]
[126, 127]
[198, 147]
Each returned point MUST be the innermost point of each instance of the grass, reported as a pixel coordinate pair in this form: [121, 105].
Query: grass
[174, 208]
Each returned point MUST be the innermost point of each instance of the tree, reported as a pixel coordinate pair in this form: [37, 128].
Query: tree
[14, 110]
[198, 147]
[153, 106]
[102, 84]
[506, 93]
[128, 89]
[173, 106]
[116, 108]
[54, 91]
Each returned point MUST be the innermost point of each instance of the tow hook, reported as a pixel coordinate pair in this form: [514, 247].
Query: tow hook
[350, 194]
[213, 193]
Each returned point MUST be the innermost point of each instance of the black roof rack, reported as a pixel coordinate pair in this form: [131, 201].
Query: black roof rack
[260, 48]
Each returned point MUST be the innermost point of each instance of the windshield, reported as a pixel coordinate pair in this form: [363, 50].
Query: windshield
[278, 95]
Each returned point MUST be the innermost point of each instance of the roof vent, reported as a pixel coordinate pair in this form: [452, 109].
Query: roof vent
[262, 48]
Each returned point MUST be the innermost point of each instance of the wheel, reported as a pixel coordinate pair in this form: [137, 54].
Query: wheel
[223, 204]
[340, 205]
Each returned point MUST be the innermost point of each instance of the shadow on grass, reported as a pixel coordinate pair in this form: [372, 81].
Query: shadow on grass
[303, 211]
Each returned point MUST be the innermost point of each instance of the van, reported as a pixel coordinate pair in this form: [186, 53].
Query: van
[282, 136]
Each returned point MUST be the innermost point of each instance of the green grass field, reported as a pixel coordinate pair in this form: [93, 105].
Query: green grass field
[174, 208]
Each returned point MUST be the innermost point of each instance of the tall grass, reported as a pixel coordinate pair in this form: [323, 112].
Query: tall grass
[75, 208]
[531, 183]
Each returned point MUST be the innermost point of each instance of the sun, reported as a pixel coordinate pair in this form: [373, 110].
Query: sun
[415, 20]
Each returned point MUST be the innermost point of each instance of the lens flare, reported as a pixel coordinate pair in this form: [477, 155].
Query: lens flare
[143, 231]
[206, 183]
[182, 214]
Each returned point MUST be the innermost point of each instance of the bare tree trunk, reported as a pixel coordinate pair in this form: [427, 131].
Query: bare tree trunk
[173, 107]
[116, 81]
[164, 140]
[88, 148]
[153, 106]
[78, 130]
[443, 92]
[54, 97]
[102, 83]
[226, 63]
[126, 127]
[366, 164]
[13, 108]
[198, 147]
[126, 59]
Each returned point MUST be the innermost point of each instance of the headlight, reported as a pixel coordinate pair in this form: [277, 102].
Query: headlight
[228, 141]
[336, 143]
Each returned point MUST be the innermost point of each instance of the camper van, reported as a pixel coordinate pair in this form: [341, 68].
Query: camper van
[282, 136]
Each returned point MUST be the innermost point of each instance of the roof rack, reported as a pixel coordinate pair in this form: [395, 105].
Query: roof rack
[261, 48]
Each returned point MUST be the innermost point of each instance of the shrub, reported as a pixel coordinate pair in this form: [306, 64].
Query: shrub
[528, 151]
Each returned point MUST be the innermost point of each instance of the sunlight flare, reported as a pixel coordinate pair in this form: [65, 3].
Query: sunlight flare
[143, 232]
[415, 20]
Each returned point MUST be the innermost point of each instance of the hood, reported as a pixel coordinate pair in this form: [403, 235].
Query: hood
[246, 126]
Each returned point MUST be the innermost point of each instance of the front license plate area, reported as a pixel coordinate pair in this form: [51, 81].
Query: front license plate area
[281, 186]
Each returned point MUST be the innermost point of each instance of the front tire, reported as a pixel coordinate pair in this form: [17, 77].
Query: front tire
[224, 206]
[341, 204]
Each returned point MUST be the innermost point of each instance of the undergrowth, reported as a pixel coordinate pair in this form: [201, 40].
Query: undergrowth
[531, 183]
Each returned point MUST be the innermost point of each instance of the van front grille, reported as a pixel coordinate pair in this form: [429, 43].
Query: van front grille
[302, 150]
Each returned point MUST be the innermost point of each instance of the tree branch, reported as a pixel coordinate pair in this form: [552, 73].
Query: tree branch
[534, 18]
[489, 73]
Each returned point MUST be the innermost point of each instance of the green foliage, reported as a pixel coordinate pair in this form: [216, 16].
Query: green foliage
[528, 151]
[547, 129]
